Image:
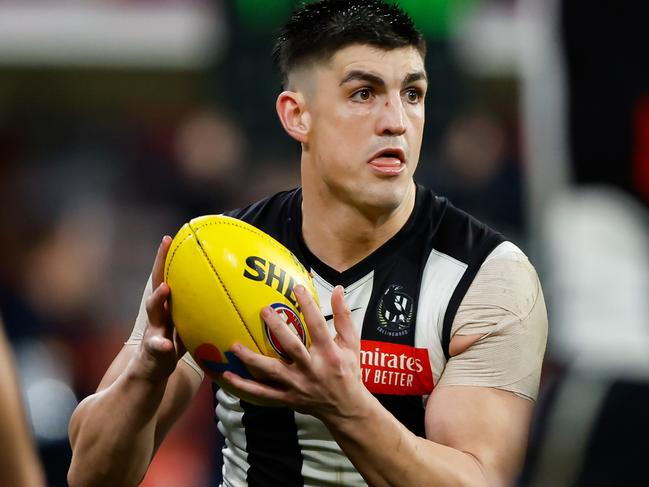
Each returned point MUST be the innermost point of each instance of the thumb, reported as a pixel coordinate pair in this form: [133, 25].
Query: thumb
[156, 345]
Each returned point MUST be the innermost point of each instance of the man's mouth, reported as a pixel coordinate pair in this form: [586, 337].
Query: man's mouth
[389, 161]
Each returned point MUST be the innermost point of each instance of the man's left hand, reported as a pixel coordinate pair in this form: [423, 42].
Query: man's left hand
[324, 381]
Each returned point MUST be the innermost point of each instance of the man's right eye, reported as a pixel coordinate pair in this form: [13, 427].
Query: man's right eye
[362, 95]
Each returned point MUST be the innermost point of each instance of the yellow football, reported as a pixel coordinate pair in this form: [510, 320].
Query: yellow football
[221, 272]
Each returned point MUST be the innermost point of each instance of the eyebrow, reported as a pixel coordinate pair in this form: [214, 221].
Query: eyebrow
[413, 77]
[358, 75]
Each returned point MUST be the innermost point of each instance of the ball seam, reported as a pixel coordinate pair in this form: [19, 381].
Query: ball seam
[227, 293]
[249, 228]
[173, 254]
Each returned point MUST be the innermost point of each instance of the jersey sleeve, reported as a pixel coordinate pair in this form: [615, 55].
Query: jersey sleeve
[137, 334]
[505, 305]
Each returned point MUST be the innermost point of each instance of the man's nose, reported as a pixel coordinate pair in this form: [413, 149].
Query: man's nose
[392, 118]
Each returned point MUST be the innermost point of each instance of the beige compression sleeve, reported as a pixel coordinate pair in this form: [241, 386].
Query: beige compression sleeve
[505, 305]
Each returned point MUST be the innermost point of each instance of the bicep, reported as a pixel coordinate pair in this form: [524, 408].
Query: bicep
[489, 424]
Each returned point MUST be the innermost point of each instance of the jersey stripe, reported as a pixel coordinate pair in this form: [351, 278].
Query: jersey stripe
[274, 455]
[484, 248]
[440, 278]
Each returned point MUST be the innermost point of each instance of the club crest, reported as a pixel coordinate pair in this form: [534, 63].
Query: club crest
[394, 311]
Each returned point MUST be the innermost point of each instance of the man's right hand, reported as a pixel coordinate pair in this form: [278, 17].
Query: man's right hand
[148, 385]
[161, 347]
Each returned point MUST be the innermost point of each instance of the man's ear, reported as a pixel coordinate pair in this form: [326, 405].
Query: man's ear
[292, 113]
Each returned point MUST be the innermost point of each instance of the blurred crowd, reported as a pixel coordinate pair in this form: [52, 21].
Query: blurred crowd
[97, 163]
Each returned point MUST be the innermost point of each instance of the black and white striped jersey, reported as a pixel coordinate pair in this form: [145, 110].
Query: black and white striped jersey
[403, 298]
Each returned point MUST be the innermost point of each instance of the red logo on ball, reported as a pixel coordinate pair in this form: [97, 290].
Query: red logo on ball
[292, 320]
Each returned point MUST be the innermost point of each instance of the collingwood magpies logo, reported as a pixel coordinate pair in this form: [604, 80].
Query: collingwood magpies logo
[394, 311]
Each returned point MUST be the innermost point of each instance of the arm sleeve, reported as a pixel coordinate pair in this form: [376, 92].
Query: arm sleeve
[141, 323]
[505, 305]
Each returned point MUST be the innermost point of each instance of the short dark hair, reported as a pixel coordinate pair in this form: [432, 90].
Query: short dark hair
[315, 31]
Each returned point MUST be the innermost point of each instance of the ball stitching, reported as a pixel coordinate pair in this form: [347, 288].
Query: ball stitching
[225, 289]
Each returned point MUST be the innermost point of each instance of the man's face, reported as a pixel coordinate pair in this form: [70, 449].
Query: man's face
[366, 121]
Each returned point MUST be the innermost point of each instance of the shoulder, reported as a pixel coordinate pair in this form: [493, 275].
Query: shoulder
[455, 232]
[268, 209]
[506, 294]
[506, 279]
[505, 307]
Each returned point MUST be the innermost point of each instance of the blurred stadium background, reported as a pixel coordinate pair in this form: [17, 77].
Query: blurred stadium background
[121, 119]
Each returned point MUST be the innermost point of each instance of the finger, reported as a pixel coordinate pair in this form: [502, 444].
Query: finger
[155, 306]
[343, 322]
[252, 388]
[260, 366]
[157, 274]
[291, 343]
[157, 359]
[157, 345]
[314, 318]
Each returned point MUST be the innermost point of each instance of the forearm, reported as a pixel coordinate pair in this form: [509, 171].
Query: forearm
[387, 454]
[18, 463]
[113, 431]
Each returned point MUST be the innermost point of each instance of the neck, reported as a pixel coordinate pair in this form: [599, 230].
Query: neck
[341, 234]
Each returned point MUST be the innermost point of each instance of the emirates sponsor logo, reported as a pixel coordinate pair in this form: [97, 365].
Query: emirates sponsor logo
[391, 368]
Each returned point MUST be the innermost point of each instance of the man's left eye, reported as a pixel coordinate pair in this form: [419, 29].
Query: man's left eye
[413, 96]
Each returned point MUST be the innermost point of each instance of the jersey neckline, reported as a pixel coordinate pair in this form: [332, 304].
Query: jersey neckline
[413, 226]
